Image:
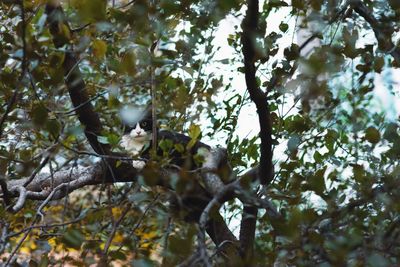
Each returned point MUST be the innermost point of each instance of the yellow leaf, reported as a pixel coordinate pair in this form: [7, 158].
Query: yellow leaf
[116, 211]
[65, 32]
[194, 133]
[99, 48]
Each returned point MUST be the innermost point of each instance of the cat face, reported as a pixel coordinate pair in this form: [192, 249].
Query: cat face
[140, 131]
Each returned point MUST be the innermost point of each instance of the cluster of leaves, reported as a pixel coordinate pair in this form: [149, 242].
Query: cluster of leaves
[336, 155]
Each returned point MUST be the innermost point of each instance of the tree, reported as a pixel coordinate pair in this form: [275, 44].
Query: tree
[315, 186]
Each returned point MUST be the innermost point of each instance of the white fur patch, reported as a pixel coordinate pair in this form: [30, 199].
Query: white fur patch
[134, 142]
[132, 146]
[138, 164]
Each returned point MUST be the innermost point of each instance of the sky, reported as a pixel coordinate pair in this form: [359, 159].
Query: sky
[248, 125]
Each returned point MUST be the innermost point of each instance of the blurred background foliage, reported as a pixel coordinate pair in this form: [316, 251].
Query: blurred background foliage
[334, 111]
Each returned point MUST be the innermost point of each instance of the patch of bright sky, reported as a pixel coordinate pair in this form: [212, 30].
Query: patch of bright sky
[248, 125]
[385, 100]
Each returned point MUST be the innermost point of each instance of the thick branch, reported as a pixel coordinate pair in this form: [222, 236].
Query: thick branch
[247, 230]
[60, 31]
[249, 35]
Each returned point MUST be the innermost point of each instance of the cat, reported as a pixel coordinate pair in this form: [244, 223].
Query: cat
[137, 139]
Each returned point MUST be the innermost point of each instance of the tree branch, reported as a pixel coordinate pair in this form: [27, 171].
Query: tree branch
[60, 31]
[383, 33]
[247, 230]
[249, 35]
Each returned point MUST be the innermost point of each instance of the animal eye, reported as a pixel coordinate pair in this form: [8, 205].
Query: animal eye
[144, 123]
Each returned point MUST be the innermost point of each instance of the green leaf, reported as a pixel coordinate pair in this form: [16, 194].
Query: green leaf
[188, 70]
[317, 182]
[317, 157]
[90, 10]
[180, 246]
[358, 171]
[113, 139]
[277, 3]
[372, 135]
[117, 255]
[53, 127]
[391, 132]
[165, 144]
[73, 238]
[118, 163]
[283, 27]
[102, 139]
[179, 147]
[194, 133]
[39, 115]
[44, 261]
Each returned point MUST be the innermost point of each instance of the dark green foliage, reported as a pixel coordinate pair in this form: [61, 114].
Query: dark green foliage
[336, 143]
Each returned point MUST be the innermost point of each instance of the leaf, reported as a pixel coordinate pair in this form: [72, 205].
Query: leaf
[113, 139]
[372, 135]
[188, 70]
[44, 261]
[194, 133]
[179, 148]
[358, 171]
[180, 246]
[292, 52]
[379, 62]
[299, 4]
[128, 64]
[317, 182]
[73, 238]
[102, 139]
[166, 144]
[293, 143]
[283, 27]
[90, 10]
[118, 163]
[391, 132]
[117, 255]
[277, 3]
[99, 48]
[317, 157]
[39, 115]
[53, 127]
[9, 38]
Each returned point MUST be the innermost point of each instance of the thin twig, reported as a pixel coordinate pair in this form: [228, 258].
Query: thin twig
[153, 50]
[114, 230]
[18, 246]
[44, 226]
[127, 4]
